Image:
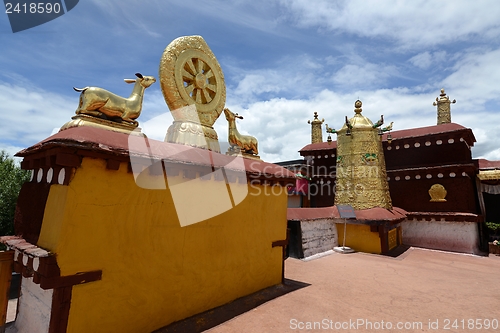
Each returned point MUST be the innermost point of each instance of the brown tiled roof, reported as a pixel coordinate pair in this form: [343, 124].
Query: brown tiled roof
[297, 214]
[18, 243]
[488, 165]
[445, 216]
[408, 133]
[320, 146]
[432, 130]
[372, 214]
[380, 214]
[124, 145]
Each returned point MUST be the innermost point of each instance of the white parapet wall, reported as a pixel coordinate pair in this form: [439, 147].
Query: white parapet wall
[442, 235]
[318, 236]
[34, 309]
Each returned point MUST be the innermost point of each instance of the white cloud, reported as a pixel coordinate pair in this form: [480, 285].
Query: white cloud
[256, 15]
[493, 155]
[422, 60]
[409, 23]
[125, 15]
[364, 76]
[476, 75]
[257, 83]
[485, 129]
[289, 76]
[304, 76]
[31, 113]
[427, 59]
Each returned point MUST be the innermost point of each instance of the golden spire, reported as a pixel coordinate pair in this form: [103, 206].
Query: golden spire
[443, 108]
[316, 131]
[361, 173]
[358, 104]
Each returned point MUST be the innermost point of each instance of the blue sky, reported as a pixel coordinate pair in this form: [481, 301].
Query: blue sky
[282, 60]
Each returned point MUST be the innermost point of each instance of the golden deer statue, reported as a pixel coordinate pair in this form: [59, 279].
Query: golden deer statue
[97, 102]
[247, 143]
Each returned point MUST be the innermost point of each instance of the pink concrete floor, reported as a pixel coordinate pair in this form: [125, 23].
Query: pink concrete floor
[421, 291]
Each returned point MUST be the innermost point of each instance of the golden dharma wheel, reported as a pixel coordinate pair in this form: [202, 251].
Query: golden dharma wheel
[190, 74]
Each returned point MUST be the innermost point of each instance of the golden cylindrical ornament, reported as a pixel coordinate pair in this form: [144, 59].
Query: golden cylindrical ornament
[361, 172]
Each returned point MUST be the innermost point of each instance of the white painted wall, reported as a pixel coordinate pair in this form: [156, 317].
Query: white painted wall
[34, 308]
[318, 236]
[440, 235]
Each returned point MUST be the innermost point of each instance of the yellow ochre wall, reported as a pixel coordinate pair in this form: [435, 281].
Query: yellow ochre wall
[359, 238]
[154, 271]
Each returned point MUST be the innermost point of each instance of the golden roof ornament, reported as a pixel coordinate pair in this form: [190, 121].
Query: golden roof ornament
[316, 131]
[100, 108]
[239, 143]
[437, 192]
[193, 86]
[361, 172]
[357, 106]
[443, 108]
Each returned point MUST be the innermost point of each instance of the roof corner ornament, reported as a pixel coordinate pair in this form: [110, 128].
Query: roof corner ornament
[443, 108]
[316, 132]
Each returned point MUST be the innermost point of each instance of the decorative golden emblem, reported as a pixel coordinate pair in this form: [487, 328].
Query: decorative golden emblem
[369, 159]
[489, 175]
[193, 86]
[190, 74]
[437, 193]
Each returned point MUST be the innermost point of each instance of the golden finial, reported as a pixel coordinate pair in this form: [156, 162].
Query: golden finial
[443, 108]
[357, 106]
[316, 135]
[315, 120]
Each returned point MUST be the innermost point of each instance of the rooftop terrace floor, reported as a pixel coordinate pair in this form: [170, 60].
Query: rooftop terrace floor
[423, 289]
